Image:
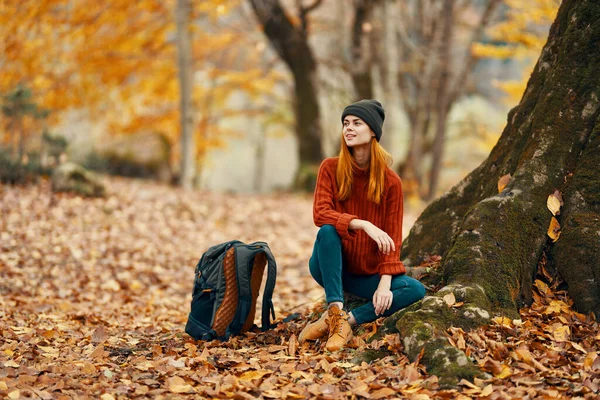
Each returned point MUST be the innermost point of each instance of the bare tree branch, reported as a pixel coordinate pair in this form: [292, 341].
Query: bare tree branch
[304, 11]
[459, 83]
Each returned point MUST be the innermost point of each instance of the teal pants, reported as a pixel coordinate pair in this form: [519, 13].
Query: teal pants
[326, 267]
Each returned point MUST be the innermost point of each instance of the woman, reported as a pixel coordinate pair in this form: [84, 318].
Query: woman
[358, 205]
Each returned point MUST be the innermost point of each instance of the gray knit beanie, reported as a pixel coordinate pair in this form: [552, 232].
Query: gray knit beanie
[370, 111]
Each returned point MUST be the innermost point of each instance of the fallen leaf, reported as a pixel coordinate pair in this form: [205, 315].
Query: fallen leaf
[293, 345]
[176, 384]
[465, 382]
[542, 287]
[578, 347]
[98, 352]
[561, 332]
[11, 363]
[504, 373]
[383, 393]
[502, 182]
[15, 394]
[554, 230]
[553, 204]
[251, 375]
[487, 390]
[107, 396]
[99, 335]
[449, 299]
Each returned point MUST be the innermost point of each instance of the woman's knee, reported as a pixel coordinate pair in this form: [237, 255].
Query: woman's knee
[406, 284]
[329, 234]
[315, 271]
[417, 287]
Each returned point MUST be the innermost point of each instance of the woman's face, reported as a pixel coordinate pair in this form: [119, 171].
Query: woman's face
[356, 132]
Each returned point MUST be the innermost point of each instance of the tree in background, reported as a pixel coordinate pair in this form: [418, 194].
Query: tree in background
[17, 105]
[433, 73]
[183, 14]
[117, 62]
[289, 38]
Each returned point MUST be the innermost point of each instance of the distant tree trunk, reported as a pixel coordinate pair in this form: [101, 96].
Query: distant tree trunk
[362, 59]
[183, 14]
[386, 60]
[291, 44]
[442, 97]
[421, 47]
[21, 138]
[490, 242]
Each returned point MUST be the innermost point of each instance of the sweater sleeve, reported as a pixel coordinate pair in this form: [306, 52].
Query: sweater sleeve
[324, 212]
[390, 264]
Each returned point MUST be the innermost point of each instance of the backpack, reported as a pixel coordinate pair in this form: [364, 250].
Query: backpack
[226, 285]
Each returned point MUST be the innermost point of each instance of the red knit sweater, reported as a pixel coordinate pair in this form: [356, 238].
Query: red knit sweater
[359, 252]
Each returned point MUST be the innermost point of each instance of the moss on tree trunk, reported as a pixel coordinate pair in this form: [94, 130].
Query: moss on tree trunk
[492, 242]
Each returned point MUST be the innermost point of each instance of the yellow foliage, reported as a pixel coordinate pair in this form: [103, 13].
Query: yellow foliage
[522, 35]
[118, 60]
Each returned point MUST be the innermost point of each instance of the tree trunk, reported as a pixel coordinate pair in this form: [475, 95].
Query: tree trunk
[437, 151]
[361, 63]
[291, 44]
[183, 14]
[21, 139]
[492, 242]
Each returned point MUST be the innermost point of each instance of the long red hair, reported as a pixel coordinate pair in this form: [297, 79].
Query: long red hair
[379, 161]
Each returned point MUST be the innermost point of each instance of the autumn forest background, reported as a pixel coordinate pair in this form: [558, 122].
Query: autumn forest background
[136, 134]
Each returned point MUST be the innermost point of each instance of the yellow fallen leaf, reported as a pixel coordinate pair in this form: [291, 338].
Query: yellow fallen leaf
[107, 396]
[505, 373]
[251, 375]
[553, 204]
[487, 390]
[420, 396]
[503, 321]
[554, 230]
[561, 333]
[15, 394]
[588, 361]
[542, 287]
[176, 384]
[556, 306]
[3, 385]
[383, 393]
[502, 182]
[88, 368]
[449, 299]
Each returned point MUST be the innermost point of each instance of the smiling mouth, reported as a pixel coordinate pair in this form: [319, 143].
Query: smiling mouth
[350, 137]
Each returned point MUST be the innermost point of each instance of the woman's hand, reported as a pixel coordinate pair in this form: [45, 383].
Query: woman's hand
[384, 241]
[382, 300]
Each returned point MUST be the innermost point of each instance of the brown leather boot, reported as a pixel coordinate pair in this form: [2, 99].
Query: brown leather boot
[340, 331]
[315, 330]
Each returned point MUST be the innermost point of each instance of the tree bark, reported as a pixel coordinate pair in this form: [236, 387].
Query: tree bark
[186, 84]
[437, 152]
[291, 44]
[361, 63]
[492, 242]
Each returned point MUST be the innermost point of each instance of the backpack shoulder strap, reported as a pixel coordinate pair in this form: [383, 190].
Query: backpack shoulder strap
[268, 310]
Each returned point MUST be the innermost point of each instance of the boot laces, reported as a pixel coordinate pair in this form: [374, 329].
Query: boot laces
[336, 321]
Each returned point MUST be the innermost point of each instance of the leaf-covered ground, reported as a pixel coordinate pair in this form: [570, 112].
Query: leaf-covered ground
[94, 295]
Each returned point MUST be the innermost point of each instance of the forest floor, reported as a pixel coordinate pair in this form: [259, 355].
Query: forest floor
[94, 296]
